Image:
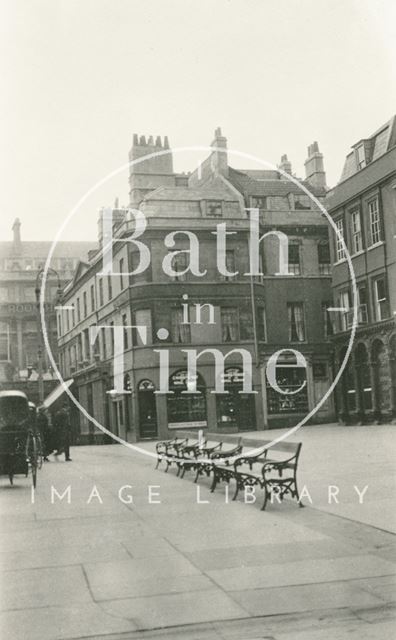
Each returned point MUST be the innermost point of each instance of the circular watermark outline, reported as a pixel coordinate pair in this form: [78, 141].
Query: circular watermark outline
[205, 149]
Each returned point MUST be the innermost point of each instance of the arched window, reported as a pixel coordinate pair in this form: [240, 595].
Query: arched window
[186, 409]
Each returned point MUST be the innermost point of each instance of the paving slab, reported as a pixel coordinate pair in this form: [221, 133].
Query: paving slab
[71, 620]
[176, 609]
[302, 572]
[43, 587]
[275, 601]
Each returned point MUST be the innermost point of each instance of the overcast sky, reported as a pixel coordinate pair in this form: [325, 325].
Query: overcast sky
[79, 77]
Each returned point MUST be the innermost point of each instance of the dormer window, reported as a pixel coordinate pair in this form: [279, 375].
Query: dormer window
[259, 202]
[360, 157]
[214, 209]
[302, 202]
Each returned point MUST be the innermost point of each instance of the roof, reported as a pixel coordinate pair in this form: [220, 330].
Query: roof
[216, 190]
[33, 249]
[254, 186]
[374, 147]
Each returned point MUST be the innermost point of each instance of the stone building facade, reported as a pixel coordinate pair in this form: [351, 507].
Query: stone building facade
[260, 314]
[363, 207]
[20, 262]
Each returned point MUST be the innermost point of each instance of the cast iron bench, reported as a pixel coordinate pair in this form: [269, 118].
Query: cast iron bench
[180, 448]
[266, 468]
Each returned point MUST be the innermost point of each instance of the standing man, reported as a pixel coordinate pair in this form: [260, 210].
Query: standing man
[63, 430]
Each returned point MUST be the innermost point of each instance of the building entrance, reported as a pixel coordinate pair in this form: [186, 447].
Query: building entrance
[148, 427]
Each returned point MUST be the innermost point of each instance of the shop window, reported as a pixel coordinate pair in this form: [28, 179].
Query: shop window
[375, 221]
[229, 324]
[324, 258]
[294, 258]
[295, 312]
[180, 330]
[290, 380]
[381, 300]
[234, 408]
[186, 409]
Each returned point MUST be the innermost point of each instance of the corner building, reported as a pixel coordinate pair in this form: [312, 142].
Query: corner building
[261, 315]
[363, 207]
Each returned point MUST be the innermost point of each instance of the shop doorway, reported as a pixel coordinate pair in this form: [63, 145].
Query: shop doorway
[148, 427]
[235, 410]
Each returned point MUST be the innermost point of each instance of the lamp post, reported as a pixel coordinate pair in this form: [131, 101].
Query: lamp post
[40, 349]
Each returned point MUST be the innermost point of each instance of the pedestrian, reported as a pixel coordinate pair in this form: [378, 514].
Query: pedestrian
[45, 430]
[63, 431]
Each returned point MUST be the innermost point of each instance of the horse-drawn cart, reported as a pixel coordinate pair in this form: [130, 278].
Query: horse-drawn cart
[20, 444]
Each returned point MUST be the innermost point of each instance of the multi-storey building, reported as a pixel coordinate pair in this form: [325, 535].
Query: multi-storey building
[261, 314]
[363, 207]
[20, 262]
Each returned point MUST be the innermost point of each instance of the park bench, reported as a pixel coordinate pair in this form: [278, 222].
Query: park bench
[272, 469]
[190, 453]
[181, 447]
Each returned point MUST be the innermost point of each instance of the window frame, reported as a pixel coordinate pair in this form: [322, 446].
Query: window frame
[356, 230]
[339, 249]
[376, 223]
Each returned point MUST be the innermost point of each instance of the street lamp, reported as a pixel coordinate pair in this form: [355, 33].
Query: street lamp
[40, 349]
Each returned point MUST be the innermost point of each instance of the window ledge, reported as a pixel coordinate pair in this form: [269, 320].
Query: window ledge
[339, 262]
[357, 253]
[374, 246]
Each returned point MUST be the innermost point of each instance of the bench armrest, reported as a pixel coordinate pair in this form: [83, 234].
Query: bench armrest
[222, 455]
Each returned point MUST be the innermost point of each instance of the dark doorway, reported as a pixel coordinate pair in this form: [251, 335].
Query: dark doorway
[148, 427]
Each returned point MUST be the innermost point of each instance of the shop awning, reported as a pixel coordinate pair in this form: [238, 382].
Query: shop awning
[57, 392]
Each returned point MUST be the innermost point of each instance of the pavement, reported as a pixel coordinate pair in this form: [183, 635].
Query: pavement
[168, 563]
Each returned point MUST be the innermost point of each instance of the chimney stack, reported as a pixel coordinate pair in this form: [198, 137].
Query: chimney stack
[285, 165]
[314, 167]
[16, 228]
[219, 159]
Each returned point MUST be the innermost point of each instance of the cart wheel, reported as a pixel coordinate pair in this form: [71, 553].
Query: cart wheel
[34, 476]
